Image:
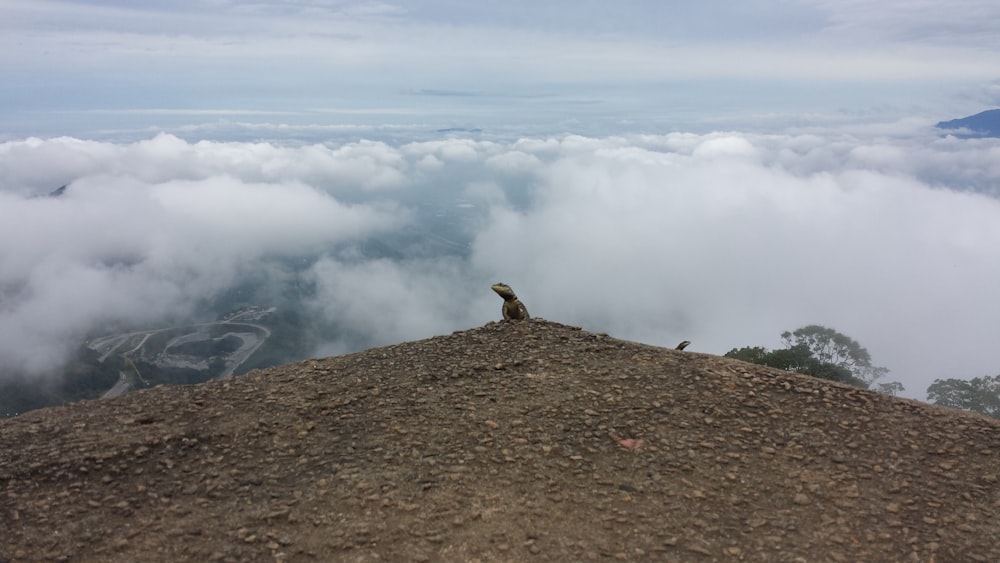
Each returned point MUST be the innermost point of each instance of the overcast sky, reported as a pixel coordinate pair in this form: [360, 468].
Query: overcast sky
[122, 68]
[713, 171]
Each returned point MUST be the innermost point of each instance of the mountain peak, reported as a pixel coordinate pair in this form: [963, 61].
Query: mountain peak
[983, 124]
[515, 440]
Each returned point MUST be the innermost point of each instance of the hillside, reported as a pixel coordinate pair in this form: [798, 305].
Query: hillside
[983, 124]
[516, 441]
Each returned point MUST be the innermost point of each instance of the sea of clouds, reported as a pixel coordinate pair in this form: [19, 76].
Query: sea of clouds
[724, 239]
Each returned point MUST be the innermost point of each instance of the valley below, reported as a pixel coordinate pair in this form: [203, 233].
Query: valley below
[215, 350]
[113, 364]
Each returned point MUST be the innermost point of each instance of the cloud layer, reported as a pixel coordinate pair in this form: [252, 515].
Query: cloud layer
[725, 239]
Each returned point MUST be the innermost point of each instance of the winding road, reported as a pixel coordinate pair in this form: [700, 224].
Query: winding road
[253, 336]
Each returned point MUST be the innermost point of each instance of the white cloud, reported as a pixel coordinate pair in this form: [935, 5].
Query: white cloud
[714, 245]
[430, 163]
[450, 149]
[384, 302]
[485, 193]
[725, 239]
[514, 161]
[725, 147]
[148, 229]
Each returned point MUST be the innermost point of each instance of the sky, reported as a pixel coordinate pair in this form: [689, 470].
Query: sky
[714, 171]
[288, 68]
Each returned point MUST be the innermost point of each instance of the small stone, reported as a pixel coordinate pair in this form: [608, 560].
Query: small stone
[699, 549]
[801, 499]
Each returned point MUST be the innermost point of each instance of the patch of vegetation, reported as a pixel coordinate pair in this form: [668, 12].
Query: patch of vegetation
[154, 375]
[209, 347]
[821, 352]
[979, 394]
[82, 378]
[289, 341]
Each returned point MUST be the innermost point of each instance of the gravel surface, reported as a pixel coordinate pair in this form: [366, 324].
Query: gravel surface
[516, 441]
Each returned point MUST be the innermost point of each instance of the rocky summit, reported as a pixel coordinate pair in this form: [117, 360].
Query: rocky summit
[516, 441]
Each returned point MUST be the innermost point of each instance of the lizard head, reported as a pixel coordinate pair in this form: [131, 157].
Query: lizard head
[503, 290]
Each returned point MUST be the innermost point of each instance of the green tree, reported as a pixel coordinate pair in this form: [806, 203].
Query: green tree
[980, 394]
[820, 352]
[890, 388]
[754, 355]
[832, 347]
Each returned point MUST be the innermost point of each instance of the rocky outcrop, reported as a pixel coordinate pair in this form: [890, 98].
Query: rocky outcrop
[515, 441]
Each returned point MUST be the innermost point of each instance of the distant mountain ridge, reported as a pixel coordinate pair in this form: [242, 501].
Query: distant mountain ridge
[983, 124]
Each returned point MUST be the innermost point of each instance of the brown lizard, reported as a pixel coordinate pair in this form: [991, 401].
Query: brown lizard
[512, 308]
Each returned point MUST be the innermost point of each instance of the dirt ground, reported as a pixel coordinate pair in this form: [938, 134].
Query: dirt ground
[516, 441]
